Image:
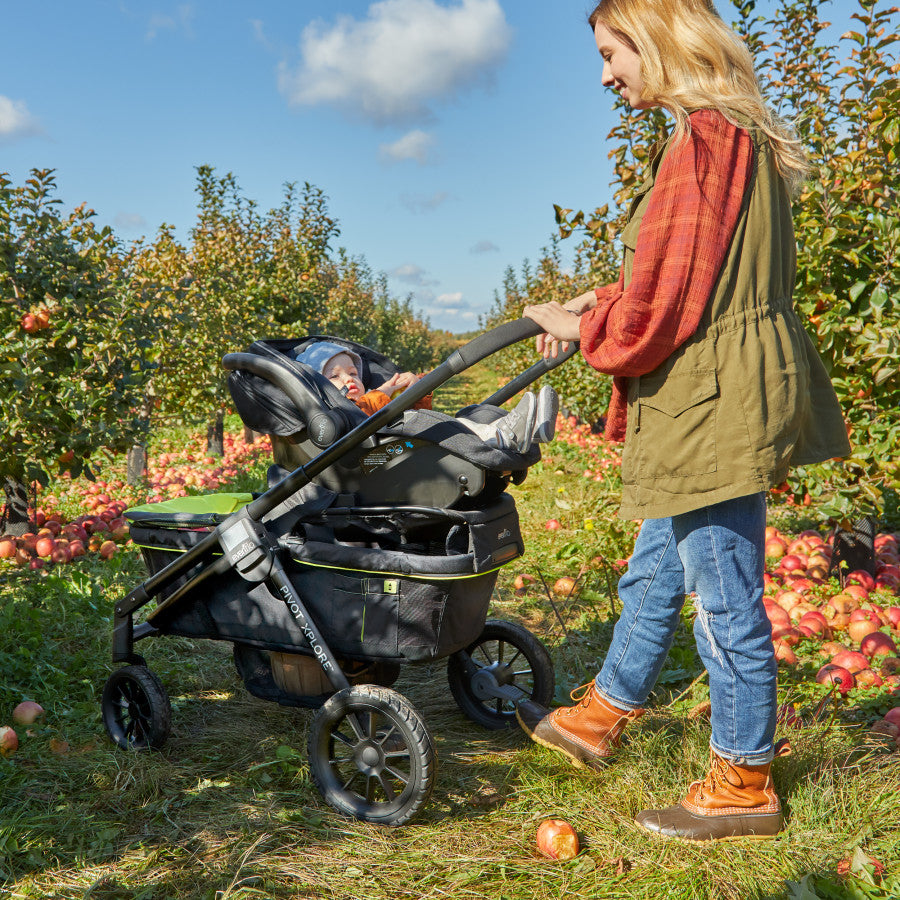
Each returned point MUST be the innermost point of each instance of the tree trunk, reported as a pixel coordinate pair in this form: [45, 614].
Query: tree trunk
[16, 520]
[854, 549]
[215, 435]
[136, 463]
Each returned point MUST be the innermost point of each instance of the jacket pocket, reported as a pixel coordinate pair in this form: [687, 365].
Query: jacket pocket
[676, 424]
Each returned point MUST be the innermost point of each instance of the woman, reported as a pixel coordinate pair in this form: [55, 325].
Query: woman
[717, 389]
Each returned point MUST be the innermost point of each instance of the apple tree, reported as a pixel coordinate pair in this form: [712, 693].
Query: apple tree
[74, 328]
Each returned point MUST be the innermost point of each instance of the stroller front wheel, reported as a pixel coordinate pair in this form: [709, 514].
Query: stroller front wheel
[136, 709]
[371, 755]
[504, 665]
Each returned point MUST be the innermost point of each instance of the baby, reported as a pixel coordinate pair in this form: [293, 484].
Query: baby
[533, 419]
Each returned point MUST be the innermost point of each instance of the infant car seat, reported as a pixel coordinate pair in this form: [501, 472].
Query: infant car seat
[424, 457]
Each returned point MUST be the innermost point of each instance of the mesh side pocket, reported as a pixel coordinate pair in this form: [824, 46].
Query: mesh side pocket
[422, 607]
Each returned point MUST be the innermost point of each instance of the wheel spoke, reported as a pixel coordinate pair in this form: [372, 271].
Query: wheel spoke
[347, 742]
[387, 787]
[515, 656]
[485, 654]
[400, 776]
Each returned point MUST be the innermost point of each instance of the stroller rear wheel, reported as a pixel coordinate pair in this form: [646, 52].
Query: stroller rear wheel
[504, 665]
[371, 755]
[136, 709]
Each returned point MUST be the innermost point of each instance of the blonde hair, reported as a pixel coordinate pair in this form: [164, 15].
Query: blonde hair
[690, 59]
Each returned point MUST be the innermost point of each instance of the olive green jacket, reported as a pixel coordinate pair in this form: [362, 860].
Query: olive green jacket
[747, 395]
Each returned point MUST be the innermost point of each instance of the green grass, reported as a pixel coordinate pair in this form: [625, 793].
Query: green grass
[227, 808]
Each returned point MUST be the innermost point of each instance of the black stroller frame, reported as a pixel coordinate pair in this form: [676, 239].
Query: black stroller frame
[370, 753]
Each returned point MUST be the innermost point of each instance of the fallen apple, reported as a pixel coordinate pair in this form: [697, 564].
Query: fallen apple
[27, 712]
[557, 839]
[553, 525]
[522, 580]
[893, 716]
[877, 644]
[564, 586]
[836, 675]
[851, 660]
[9, 741]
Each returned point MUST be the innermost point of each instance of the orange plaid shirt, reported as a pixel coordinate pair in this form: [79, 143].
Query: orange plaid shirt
[683, 240]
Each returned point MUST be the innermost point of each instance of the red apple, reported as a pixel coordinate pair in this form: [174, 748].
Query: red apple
[831, 648]
[777, 616]
[44, 546]
[784, 653]
[893, 716]
[856, 591]
[860, 576]
[868, 678]
[27, 712]
[851, 660]
[552, 525]
[815, 622]
[787, 600]
[877, 644]
[9, 741]
[7, 548]
[775, 547]
[863, 622]
[789, 636]
[557, 839]
[836, 675]
[107, 549]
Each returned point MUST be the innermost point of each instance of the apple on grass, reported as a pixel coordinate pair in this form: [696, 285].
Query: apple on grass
[9, 741]
[836, 675]
[27, 712]
[557, 839]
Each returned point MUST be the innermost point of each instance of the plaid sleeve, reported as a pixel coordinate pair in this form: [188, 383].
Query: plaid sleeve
[681, 246]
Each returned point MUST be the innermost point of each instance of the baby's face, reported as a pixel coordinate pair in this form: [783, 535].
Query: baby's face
[341, 372]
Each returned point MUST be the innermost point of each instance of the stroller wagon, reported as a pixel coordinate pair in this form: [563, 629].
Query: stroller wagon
[376, 544]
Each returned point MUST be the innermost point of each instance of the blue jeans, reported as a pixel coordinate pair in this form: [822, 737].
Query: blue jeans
[715, 553]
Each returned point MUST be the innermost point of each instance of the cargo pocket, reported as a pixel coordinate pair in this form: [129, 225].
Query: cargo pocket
[676, 424]
[364, 615]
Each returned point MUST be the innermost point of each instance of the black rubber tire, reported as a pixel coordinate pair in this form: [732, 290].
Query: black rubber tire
[491, 657]
[136, 709]
[371, 755]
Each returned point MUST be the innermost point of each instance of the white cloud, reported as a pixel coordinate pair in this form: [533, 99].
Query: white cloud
[413, 145]
[15, 120]
[130, 221]
[180, 20]
[410, 273]
[416, 203]
[406, 55]
[448, 307]
[485, 246]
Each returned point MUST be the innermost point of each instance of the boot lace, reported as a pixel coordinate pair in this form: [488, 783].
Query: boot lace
[715, 777]
[582, 694]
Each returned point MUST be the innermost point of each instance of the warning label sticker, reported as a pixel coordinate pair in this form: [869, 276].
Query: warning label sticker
[388, 452]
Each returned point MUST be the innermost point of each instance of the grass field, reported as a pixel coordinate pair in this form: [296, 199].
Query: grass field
[227, 808]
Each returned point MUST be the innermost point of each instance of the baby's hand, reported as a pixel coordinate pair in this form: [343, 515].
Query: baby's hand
[399, 381]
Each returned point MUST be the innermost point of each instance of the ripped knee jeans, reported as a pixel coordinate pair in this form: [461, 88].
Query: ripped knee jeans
[715, 555]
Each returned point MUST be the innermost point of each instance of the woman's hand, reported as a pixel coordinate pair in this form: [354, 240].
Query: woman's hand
[559, 323]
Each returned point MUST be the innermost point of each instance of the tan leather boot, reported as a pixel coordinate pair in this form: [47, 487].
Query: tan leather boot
[732, 802]
[587, 733]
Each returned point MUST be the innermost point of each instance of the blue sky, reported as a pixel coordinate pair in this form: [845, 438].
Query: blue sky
[442, 131]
